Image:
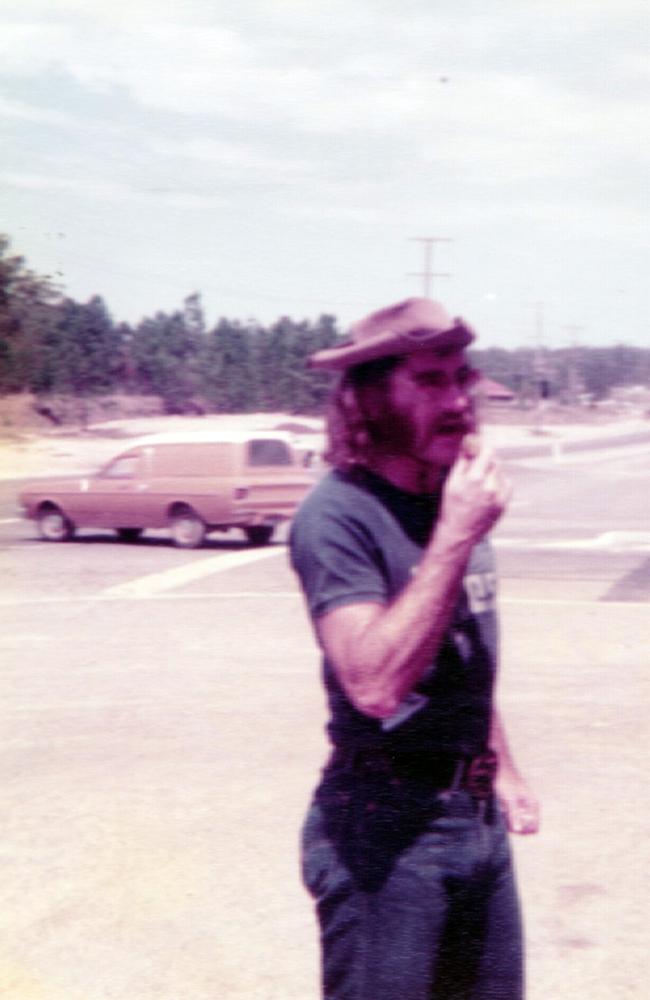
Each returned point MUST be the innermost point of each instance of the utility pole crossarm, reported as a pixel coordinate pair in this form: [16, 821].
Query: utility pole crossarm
[428, 273]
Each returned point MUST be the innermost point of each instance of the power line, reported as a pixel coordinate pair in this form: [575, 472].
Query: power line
[428, 273]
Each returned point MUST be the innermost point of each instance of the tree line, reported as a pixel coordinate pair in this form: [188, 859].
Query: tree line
[52, 345]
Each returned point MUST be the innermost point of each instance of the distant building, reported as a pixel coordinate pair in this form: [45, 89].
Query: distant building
[631, 393]
[494, 392]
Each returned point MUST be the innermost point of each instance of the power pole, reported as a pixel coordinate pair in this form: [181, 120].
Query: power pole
[541, 384]
[539, 324]
[428, 273]
[575, 384]
[540, 366]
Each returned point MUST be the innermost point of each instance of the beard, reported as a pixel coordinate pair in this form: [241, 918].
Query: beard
[394, 432]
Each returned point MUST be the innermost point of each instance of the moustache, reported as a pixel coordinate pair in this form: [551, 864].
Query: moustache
[452, 425]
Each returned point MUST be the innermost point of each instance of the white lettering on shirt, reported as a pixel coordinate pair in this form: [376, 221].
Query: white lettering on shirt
[481, 590]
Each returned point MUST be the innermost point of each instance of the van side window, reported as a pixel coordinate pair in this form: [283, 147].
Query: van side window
[124, 467]
[268, 451]
[191, 459]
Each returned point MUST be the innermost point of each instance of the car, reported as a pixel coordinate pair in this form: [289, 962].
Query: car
[191, 483]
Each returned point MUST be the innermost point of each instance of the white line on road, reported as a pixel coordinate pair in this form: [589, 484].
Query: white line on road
[85, 600]
[154, 583]
[10, 520]
[612, 541]
[270, 595]
[551, 602]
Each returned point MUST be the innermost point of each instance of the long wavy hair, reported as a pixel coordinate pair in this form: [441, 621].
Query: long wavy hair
[353, 416]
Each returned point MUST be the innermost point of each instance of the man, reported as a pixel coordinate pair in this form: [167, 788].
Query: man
[405, 846]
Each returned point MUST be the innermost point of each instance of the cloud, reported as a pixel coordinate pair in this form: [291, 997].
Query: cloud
[313, 127]
[326, 68]
[34, 182]
[322, 212]
[97, 189]
[31, 113]
[186, 200]
[518, 126]
[229, 156]
[73, 184]
[28, 48]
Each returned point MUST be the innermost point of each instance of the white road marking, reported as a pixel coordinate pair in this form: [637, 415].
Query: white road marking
[558, 602]
[609, 453]
[267, 595]
[612, 541]
[10, 520]
[155, 583]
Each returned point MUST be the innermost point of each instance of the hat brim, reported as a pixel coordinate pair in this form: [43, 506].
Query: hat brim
[390, 344]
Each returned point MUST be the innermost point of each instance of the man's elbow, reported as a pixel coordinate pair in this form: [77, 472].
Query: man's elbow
[373, 701]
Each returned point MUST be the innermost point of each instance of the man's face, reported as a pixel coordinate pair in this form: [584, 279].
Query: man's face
[430, 406]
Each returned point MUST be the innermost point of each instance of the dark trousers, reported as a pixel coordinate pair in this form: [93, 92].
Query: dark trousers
[440, 923]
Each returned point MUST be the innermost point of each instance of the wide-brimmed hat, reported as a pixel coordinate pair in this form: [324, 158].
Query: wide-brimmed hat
[411, 325]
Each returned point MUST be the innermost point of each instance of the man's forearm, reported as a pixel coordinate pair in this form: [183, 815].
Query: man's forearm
[399, 643]
[499, 743]
[379, 652]
[517, 800]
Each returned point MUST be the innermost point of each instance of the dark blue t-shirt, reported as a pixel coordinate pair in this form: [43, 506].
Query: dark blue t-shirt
[358, 538]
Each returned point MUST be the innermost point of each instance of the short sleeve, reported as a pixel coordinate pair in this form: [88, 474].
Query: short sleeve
[336, 558]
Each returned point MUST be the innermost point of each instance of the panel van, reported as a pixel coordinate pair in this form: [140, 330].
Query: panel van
[190, 483]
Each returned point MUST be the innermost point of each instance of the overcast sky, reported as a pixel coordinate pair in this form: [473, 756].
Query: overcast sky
[278, 156]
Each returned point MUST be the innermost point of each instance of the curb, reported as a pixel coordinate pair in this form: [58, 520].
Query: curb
[557, 447]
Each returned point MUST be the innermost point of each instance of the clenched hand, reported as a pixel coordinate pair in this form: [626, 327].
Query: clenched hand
[476, 492]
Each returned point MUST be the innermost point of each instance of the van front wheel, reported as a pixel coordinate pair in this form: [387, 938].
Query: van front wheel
[259, 534]
[186, 528]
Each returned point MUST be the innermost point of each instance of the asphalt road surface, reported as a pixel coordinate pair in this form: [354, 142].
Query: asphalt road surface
[162, 728]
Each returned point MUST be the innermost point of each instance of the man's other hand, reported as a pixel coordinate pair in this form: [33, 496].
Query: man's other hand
[520, 806]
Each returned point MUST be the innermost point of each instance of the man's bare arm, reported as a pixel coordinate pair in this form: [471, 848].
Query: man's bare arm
[380, 652]
[520, 805]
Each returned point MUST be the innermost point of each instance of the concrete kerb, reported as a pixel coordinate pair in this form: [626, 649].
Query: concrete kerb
[70, 454]
[560, 446]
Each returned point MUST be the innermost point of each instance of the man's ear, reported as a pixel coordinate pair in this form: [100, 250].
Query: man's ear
[356, 417]
[370, 401]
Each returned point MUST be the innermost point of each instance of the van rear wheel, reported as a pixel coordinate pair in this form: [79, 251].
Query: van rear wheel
[259, 534]
[186, 528]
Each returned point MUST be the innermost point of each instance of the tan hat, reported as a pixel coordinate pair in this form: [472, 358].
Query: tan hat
[411, 325]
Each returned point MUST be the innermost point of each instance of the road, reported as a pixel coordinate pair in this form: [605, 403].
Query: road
[162, 723]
